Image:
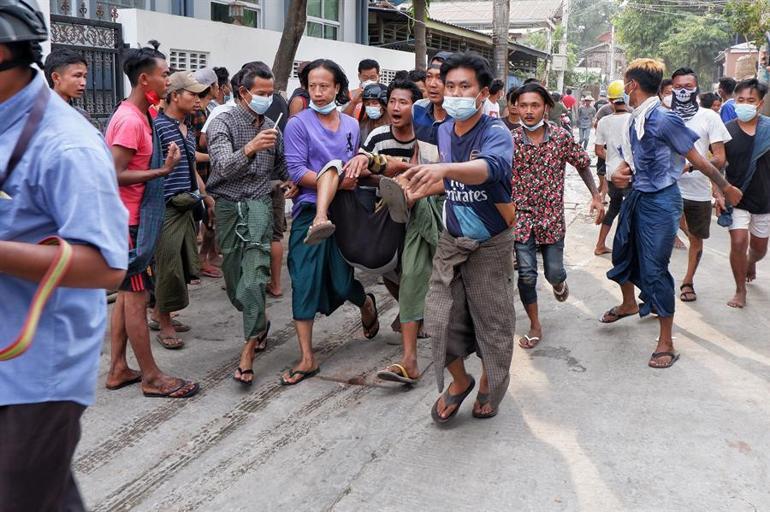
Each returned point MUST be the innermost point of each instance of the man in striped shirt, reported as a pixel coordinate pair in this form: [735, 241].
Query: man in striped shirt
[176, 257]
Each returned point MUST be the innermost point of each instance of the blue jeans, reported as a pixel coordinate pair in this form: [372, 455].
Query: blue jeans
[553, 266]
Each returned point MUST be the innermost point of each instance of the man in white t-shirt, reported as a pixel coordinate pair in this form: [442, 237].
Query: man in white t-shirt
[491, 104]
[694, 186]
[609, 139]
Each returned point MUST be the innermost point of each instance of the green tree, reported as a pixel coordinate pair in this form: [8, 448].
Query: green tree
[749, 18]
[695, 43]
[643, 27]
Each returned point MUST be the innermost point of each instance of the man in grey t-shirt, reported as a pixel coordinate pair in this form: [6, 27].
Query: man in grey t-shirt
[586, 113]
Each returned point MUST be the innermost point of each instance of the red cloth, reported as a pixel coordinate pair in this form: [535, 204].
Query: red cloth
[130, 129]
[569, 101]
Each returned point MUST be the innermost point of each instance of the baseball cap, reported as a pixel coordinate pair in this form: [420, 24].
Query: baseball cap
[184, 80]
[206, 76]
[442, 56]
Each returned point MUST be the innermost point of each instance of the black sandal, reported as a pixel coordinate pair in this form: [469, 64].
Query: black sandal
[449, 400]
[657, 355]
[483, 399]
[262, 338]
[371, 330]
[683, 294]
[303, 374]
[244, 372]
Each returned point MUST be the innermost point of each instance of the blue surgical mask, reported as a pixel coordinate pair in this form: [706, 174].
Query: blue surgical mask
[460, 107]
[325, 110]
[745, 112]
[260, 104]
[373, 112]
[534, 126]
[626, 99]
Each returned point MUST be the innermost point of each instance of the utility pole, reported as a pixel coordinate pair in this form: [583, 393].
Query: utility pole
[563, 44]
[612, 53]
[501, 21]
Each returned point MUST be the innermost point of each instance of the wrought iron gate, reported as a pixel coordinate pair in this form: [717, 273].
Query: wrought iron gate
[100, 42]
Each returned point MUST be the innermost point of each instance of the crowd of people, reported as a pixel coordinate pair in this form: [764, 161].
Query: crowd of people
[432, 182]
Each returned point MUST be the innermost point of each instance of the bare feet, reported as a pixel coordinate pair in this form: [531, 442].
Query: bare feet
[739, 300]
[603, 249]
[751, 271]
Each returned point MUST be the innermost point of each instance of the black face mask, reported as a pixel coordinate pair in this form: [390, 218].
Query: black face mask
[684, 104]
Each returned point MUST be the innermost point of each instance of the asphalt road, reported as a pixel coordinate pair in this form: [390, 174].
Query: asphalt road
[586, 424]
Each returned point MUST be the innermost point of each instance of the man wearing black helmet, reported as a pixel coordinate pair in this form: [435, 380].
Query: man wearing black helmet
[57, 185]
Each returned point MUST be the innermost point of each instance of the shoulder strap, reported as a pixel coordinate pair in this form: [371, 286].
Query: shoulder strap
[30, 127]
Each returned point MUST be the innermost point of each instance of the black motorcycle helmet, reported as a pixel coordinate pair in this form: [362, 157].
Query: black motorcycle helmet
[376, 92]
[22, 25]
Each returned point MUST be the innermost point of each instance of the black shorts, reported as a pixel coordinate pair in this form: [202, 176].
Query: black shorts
[697, 214]
[38, 441]
[141, 282]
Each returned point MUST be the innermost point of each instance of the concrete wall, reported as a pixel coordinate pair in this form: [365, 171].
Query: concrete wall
[231, 46]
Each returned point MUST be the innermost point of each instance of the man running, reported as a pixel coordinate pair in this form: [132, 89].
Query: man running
[748, 157]
[541, 156]
[649, 216]
[695, 186]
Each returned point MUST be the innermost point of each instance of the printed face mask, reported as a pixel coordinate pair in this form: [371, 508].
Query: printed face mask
[685, 95]
[684, 103]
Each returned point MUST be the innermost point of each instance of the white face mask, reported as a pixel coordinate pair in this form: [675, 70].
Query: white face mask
[667, 101]
[534, 126]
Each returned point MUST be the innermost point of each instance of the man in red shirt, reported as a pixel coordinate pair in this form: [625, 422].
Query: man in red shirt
[129, 136]
[568, 99]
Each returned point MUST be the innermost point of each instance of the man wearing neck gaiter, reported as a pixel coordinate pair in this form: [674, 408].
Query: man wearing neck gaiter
[649, 217]
[695, 187]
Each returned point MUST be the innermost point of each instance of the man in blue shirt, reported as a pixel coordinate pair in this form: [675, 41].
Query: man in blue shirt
[63, 185]
[469, 307]
[726, 90]
[653, 150]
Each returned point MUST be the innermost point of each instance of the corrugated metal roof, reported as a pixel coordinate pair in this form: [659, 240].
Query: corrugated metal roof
[522, 11]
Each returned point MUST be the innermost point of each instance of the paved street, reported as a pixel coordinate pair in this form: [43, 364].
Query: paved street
[586, 426]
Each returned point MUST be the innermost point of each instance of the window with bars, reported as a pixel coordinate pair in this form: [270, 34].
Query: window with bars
[324, 19]
[187, 60]
[387, 76]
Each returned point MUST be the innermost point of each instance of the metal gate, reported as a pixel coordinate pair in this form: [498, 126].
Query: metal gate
[100, 42]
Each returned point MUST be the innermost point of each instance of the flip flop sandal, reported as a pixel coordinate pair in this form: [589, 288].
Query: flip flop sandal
[563, 294]
[657, 355]
[320, 232]
[532, 341]
[192, 391]
[370, 331]
[244, 372]
[170, 346]
[262, 337]
[125, 383]
[483, 399]
[614, 313]
[304, 375]
[393, 196]
[176, 324]
[450, 400]
[683, 295]
[400, 376]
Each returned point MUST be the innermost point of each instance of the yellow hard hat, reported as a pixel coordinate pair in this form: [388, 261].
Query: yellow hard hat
[615, 90]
